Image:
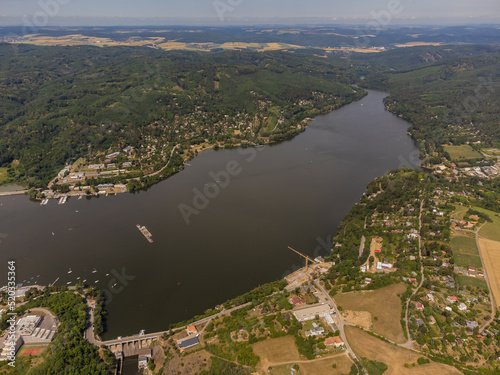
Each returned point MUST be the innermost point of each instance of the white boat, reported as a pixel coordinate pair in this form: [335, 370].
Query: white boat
[96, 281]
[70, 270]
[94, 271]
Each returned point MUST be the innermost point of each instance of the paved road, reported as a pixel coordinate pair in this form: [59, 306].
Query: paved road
[340, 322]
[89, 333]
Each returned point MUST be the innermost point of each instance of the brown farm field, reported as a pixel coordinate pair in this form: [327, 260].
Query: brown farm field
[383, 304]
[370, 347]
[490, 251]
[320, 366]
[278, 350]
[324, 366]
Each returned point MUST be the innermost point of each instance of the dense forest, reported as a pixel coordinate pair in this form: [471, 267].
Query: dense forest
[451, 94]
[60, 103]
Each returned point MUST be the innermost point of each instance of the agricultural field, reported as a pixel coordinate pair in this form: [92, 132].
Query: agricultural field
[465, 252]
[490, 231]
[383, 304]
[472, 281]
[459, 212]
[490, 251]
[372, 348]
[280, 350]
[323, 366]
[462, 152]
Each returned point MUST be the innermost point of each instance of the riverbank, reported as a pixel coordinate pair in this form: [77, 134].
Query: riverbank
[7, 193]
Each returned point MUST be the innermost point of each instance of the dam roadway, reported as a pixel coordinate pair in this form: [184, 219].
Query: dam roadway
[131, 345]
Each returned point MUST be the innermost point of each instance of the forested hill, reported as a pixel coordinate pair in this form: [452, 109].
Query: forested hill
[60, 103]
[451, 94]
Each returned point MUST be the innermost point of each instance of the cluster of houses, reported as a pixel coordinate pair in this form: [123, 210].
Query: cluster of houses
[463, 224]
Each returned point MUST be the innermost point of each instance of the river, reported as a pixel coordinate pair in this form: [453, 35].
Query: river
[227, 242]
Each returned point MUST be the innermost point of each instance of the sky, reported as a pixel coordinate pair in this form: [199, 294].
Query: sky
[146, 12]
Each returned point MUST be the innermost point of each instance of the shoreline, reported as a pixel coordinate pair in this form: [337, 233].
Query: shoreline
[9, 193]
[304, 123]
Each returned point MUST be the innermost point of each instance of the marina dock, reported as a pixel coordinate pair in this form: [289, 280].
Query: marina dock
[145, 232]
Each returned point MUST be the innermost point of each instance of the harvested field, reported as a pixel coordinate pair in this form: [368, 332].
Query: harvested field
[490, 251]
[359, 318]
[394, 357]
[383, 304]
[324, 366]
[278, 350]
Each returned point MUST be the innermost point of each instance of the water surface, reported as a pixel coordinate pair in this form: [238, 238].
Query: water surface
[292, 194]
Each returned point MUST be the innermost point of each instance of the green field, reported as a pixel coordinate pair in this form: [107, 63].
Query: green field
[490, 231]
[465, 260]
[462, 152]
[472, 281]
[465, 252]
[464, 245]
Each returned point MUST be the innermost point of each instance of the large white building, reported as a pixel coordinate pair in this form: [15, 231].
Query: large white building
[310, 312]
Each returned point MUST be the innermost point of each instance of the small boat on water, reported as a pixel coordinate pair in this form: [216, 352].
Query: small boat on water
[96, 281]
[63, 199]
[142, 333]
[44, 202]
[94, 270]
[145, 232]
[70, 270]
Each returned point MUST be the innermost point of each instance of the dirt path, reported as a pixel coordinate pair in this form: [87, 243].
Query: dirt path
[409, 343]
[310, 360]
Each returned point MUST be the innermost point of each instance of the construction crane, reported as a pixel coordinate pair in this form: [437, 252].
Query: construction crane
[302, 255]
